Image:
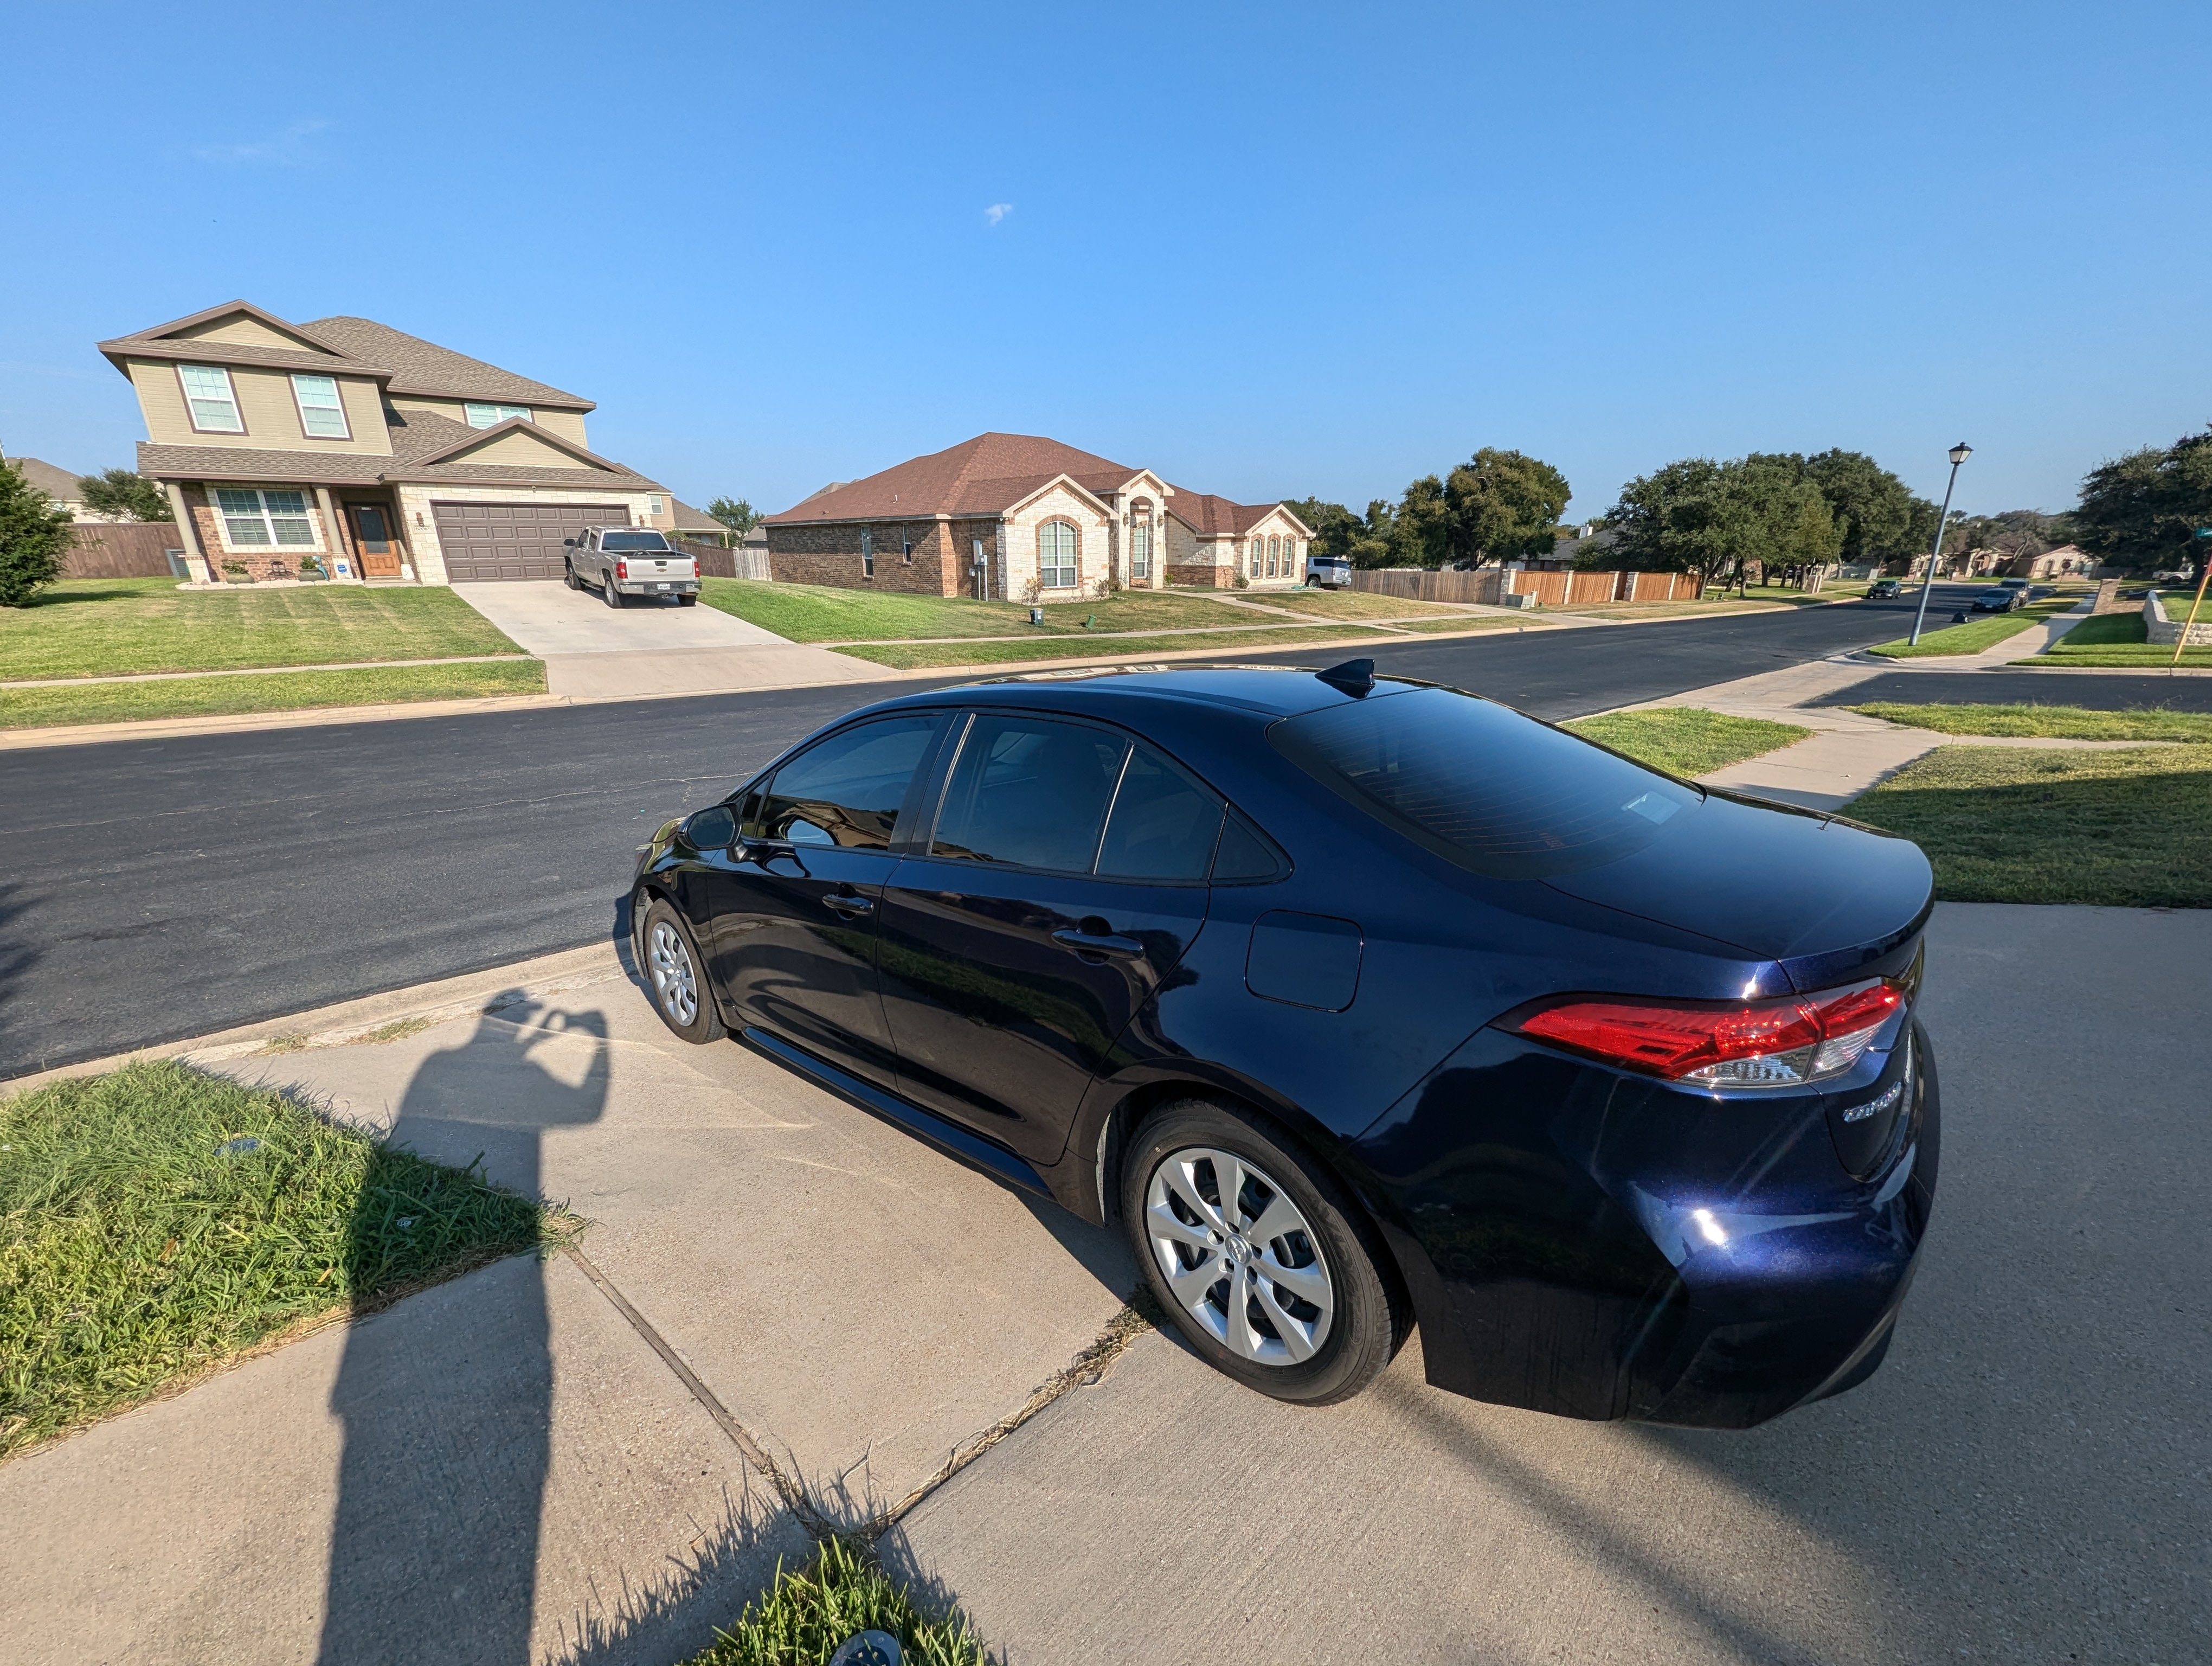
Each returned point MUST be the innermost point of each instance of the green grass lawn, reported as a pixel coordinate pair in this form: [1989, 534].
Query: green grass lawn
[807, 1613]
[2113, 641]
[276, 691]
[1039, 646]
[829, 613]
[2061, 722]
[113, 627]
[1981, 630]
[1686, 741]
[1464, 622]
[2008, 824]
[156, 1221]
[1353, 604]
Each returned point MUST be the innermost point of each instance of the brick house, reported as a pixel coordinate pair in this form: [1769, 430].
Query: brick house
[1017, 517]
[381, 456]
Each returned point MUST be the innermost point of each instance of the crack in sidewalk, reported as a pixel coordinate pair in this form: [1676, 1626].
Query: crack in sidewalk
[1088, 1366]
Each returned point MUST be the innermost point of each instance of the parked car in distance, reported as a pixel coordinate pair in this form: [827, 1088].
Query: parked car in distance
[1999, 601]
[1329, 572]
[1883, 590]
[622, 562]
[1358, 1002]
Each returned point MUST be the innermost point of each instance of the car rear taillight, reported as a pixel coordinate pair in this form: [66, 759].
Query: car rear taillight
[621, 569]
[1760, 1044]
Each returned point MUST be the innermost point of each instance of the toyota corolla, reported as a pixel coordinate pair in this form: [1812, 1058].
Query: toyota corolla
[1358, 1003]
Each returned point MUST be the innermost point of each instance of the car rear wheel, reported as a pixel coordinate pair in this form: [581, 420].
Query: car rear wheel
[609, 593]
[680, 994]
[1268, 1267]
[687, 601]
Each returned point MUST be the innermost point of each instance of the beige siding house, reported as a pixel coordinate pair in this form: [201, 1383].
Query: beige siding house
[350, 448]
[1019, 517]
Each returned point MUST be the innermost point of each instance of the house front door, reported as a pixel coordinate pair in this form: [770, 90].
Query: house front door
[371, 535]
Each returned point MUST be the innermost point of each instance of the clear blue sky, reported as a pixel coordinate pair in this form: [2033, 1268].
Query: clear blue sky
[1268, 250]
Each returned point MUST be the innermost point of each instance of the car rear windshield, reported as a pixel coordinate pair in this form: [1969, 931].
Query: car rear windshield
[1482, 785]
[632, 541]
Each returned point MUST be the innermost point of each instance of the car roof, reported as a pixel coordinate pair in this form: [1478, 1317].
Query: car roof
[1266, 691]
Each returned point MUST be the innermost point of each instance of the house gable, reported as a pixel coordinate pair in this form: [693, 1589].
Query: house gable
[516, 443]
[241, 324]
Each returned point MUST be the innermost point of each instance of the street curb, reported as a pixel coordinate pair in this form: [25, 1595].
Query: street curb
[349, 1022]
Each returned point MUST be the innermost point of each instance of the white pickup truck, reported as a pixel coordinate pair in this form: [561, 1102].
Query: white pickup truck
[622, 562]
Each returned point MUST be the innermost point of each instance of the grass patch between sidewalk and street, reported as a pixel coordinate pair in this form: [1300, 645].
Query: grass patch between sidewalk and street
[274, 692]
[830, 613]
[2119, 829]
[117, 627]
[2114, 641]
[904, 655]
[2056, 722]
[158, 1220]
[1685, 740]
[1981, 631]
[803, 1617]
[1352, 604]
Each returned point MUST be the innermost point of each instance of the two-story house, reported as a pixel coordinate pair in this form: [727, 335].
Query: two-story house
[1019, 517]
[382, 456]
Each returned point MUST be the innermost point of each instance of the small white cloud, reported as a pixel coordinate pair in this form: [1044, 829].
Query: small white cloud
[997, 212]
[289, 146]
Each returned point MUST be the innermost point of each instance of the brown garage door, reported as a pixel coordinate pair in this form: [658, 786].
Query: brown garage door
[515, 540]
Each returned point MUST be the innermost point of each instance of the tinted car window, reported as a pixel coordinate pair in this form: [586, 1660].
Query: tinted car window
[1029, 791]
[1246, 856]
[846, 790]
[634, 541]
[1164, 825]
[1482, 785]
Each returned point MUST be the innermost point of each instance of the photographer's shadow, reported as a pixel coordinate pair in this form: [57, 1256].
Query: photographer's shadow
[446, 1398]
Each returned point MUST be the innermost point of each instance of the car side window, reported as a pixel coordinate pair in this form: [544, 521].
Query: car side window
[845, 791]
[1163, 824]
[1029, 791]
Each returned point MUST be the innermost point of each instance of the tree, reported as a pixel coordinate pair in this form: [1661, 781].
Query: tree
[120, 492]
[1717, 520]
[739, 516]
[2140, 513]
[1421, 526]
[32, 530]
[1335, 528]
[1882, 520]
[1504, 505]
[1673, 520]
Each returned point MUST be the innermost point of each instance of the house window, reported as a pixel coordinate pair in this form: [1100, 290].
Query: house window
[906, 549]
[867, 554]
[322, 417]
[1056, 556]
[1140, 550]
[254, 519]
[484, 416]
[653, 506]
[208, 393]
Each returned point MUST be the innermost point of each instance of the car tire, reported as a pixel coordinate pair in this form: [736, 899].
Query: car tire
[687, 601]
[1313, 1339]
[677, 975]
[607, 592]
[568, 576]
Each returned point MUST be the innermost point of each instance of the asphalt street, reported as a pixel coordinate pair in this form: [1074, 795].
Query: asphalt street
[161, 888]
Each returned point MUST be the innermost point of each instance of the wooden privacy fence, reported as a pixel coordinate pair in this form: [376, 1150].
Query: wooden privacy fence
[716, 562]
[1491, 584]
[127, 549]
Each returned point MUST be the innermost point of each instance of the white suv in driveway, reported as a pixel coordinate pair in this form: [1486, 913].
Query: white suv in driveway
[622, 562]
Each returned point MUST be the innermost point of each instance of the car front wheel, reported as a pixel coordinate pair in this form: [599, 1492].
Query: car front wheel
[1268, 1267]
[680, 994]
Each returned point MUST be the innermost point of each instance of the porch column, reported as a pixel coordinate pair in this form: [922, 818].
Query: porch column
[340, 544]
[196, 557]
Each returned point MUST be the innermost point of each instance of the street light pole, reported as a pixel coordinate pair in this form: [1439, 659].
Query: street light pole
[1959, 453]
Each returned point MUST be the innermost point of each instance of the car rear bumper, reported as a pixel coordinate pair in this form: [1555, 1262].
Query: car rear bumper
[658, 587]
[1582, 1242]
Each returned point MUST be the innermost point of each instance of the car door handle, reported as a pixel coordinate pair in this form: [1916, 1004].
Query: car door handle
[850, 906]
[1097, 943]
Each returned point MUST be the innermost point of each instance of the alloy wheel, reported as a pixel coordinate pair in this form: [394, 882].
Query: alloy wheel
[1239, 1257]
[673, 980]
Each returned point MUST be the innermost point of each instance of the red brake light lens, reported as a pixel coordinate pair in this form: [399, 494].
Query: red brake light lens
[621, 569]
[1764, 1043]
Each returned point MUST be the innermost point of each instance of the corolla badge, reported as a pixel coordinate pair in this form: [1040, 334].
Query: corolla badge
[1880, 1103]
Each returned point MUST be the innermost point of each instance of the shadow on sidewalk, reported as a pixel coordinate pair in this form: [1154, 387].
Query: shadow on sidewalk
[446, 1400]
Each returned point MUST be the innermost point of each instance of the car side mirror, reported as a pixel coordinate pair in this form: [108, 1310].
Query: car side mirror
[714, 828]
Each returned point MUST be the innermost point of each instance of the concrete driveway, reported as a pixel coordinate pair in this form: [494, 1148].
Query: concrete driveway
[650, 648]
[509, 1463]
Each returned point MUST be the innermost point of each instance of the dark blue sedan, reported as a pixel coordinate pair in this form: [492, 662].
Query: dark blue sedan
[1360, 1003]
